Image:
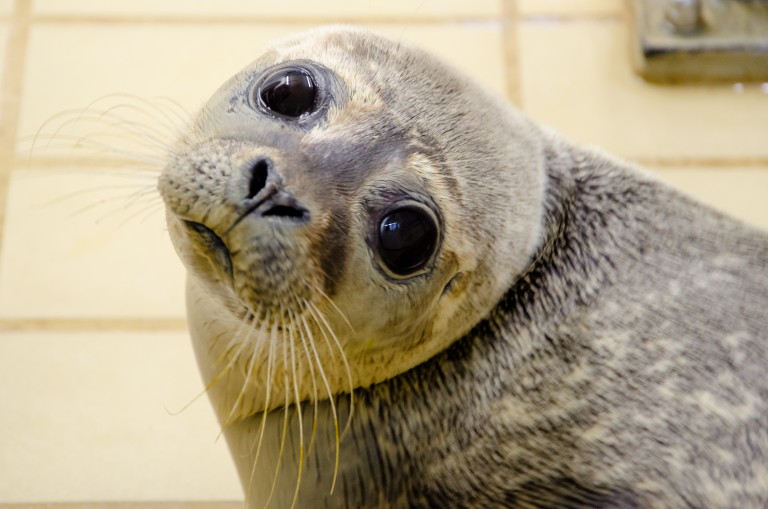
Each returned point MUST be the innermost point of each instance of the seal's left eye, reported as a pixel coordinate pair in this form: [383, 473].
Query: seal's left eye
[289, 92]
[407, 240]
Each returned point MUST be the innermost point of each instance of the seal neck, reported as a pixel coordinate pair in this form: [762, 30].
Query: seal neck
[589, 221]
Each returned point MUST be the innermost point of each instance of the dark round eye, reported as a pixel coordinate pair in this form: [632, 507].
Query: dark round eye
[407, 240]
[289, 92]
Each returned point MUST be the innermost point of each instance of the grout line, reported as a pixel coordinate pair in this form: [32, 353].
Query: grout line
[756, 163]
[10, 96]
[511, 41]
[104, 162]
[260, 20]
[93, 324]
[322, 20]
[218, 504]
[572, 18]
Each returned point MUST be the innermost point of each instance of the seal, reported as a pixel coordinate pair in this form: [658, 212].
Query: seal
[403, 293]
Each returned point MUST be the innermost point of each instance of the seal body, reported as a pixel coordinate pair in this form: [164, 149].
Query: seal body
[402, 293]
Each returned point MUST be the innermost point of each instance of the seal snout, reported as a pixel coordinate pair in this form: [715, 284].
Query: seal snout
[266, 195]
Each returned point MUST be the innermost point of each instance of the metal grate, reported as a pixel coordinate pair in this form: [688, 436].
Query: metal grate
[701, 40]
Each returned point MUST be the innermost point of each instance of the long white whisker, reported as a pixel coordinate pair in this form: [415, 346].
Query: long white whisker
[313, 376]
[320, 319]
[164, 120]
[126, 130]
[284, 433]
[247, 319]
[111, 113]
[292, 340]
[100, 149]
[247, 379]
[171, 116]
[330, 399]
[148, 210]
[335, 307]
[112, 126]
[267, 397]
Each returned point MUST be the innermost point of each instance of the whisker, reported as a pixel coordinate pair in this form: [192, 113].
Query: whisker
[148, 210]
[118, 168]
[247, 378]
[267, 397]
[180, 113]
[284, 432]
[313, 376]
[110, 125]
[111, 113]
[101, 149]
[334, 306]
[320, 319]
[247, 324]
[120, 129]
[247, 317]
[95, 190]
[291, 341]
[330, 400]
[171, 119]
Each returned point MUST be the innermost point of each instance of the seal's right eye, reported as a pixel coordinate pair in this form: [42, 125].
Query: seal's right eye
[290, 92]
[407, 240]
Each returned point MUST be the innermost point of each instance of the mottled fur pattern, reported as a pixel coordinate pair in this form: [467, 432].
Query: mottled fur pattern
[622, 366]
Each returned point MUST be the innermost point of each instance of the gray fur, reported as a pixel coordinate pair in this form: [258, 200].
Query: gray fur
[622, 363]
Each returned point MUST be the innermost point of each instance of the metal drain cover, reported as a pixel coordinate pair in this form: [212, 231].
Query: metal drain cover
[680, 41]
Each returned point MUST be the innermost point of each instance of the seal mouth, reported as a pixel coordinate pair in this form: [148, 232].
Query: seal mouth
[215, 248]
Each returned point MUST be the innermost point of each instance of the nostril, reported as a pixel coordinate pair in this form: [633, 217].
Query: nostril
[286, 212]
[259, 173]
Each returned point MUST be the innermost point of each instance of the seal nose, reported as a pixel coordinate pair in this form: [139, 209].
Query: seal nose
[266, 195]
[258, 178]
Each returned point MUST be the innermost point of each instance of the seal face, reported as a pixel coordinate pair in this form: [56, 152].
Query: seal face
[310, 197]
[500, 318]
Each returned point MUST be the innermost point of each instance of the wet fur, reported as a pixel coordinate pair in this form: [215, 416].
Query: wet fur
[621, 365]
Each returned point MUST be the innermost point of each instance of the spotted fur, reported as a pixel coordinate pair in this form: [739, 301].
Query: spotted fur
[585, 337]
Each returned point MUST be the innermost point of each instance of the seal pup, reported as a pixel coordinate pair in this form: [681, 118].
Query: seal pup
[403, 293]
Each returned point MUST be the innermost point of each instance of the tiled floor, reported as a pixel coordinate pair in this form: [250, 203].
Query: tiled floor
[93, 350]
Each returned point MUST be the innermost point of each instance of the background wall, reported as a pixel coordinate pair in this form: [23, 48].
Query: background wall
[94, 355]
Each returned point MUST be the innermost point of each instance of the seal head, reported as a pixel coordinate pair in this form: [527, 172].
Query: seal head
[359, 211]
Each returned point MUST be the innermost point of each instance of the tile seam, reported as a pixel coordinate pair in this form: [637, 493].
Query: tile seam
[291, 20]
[701, 162]
[10, 95]
[181, 504]
[511, 53]
[571, 18]
[245, 20]
[84, 324]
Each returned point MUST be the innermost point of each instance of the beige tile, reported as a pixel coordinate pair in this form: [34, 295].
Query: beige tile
[82, 245]
[570, 7]
[304, 9]
[137, 59]
[95, 258]
[134, 59]
[3, 49]
[577, 78]
[5, 7]
[86, 418]
[735, 191]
